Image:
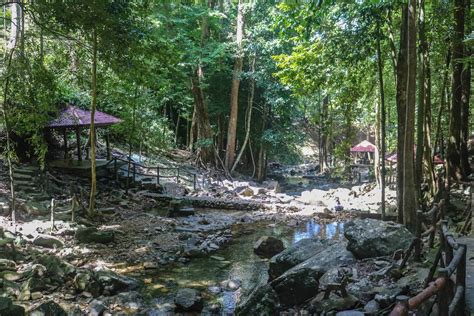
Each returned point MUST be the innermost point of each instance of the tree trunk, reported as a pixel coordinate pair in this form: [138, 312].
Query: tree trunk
[130, 139]
[91, 209]
[427, 167]
[15, 25]
[323, 145]
[261, 168]
[201, 120]
[410, 204]
[454, 169]
[234, 95]
[378, 143]
[9, 149]
[465, 95]
[442, 106]
[249, 112]
[201, 131]
[401, 95]
[382, 121]
[421, 107]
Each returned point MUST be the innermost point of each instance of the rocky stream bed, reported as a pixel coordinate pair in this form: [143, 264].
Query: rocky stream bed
[295, 254]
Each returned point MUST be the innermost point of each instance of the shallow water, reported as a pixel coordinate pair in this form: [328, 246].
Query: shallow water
[236, 262]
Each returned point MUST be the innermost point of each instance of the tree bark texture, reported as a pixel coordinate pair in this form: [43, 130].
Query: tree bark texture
[410, 204]
[402, 72]
[454, 169]
[93, 192]
[234, 95]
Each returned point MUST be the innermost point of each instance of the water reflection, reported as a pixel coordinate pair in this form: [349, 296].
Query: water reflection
[240, 261]
[333, 230]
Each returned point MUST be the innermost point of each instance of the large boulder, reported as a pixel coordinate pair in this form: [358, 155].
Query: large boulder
[48, 308]
[48, 241]
[93, 235]
[370, 238]
[295, 254]
[188, 300]
[114, 283]
[262, 301]
[268, 246]
[301, 282]
[7, 308]
[56, 268]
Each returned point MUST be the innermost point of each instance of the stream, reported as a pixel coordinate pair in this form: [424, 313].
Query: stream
[236, 262]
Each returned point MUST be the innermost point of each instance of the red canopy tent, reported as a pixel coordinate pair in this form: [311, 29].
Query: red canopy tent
[364, 147]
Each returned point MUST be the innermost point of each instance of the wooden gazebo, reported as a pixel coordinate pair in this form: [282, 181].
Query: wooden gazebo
[74, 118]
[364, 147]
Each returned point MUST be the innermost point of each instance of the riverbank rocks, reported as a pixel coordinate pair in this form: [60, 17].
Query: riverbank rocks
[295, 254]
[262, 301]
[188, 300]
[7, 308]
[48, 308]
[268, 246]
[48, 241]
[113, 283]
[93, 235]
[301, 282]
[370, 238]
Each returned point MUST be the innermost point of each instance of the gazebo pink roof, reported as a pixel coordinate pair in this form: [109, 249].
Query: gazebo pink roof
[73, 116]
[393, 158]
[364, 147]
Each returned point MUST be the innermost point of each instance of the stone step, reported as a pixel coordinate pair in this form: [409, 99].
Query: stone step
[28, 190]
[39, 197]
[36, 208]
[23, 177]
[27, 170]
[4, 208]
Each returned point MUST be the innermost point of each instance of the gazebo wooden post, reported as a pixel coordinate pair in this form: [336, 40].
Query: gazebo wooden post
[65, 142]
[107, 144]
[78, 141]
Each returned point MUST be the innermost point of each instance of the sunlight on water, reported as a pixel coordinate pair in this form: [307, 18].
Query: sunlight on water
[329, 231]
[240, 263]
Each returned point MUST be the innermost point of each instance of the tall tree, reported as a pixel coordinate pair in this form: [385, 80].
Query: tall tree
[466, 91]
[234, 95]
[426, 166]
[406, 103]
[401, 96]
[410, 204]
[382, 120]
[454, 169]
[201, 132]
[92, 124]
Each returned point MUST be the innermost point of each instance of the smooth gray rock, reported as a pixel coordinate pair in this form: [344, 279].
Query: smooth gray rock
[188, 300]
[49, 308]
[115, 283]
[301, 282]
[295, 254]
[48, 241]
[268, 246]
[263, 301]
[93, 235]
[372, 307]
[370, 238]
[96, 308]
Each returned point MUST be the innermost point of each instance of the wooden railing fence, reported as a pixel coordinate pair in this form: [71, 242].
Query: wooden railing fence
[178, 174]
[450, 261]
